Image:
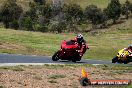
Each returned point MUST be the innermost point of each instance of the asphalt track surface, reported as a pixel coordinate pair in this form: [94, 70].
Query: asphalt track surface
[14, 59]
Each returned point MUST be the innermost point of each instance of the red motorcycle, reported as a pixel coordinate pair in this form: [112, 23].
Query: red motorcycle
[69, 51]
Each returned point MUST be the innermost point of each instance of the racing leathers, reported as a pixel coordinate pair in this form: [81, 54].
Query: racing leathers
[81, 46]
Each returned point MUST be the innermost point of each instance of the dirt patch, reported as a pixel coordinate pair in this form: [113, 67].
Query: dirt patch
[11, 46]
[56, 77]
[14, 48]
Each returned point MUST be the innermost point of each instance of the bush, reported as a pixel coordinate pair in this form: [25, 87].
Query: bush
[10, 11]
[14, 24]
[25, 22]
[57, 26]
[94, 15]
[113, 10]
[45, 11]
[40, 2]
[73, 12]
[126, 9]
[41, 28]
[130, 7]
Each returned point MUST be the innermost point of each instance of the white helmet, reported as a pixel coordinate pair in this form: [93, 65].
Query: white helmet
[79, 38]
[130, 46]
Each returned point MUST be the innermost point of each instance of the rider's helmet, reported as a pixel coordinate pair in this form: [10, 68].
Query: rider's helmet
[130, 46]
[79, 38]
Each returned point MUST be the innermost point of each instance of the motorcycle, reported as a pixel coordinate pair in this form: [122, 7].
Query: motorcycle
[123, 56]
[69, 51]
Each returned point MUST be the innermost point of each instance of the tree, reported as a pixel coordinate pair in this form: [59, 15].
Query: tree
[0, 16]
[125, 9]
[56, 7]
[58, 26]
[25, 22]
[130, 7]
[113, 10]
[40, 2]
[42, 24]
[45, 11]
[10, 12]
[44, 16]
[73, 12]
[94, 14]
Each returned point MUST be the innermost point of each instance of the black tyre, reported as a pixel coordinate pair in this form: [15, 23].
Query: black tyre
[84, 81]
[115, 59]
[74, 60]
[79, 58]
[55, 57]
[126, 62]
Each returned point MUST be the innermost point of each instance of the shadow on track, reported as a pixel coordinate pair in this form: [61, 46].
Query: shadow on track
[70, 62]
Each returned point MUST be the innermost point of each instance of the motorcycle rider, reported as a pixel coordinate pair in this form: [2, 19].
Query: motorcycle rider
[124, 55]
[129, 49]
[81, 43]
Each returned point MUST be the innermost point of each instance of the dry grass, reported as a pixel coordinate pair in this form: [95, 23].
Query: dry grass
[65, 76]
[99, 3]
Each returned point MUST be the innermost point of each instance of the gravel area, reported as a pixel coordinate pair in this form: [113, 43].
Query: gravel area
[57, 76]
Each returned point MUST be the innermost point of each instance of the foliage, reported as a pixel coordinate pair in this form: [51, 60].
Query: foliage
[73, 12]
[58, 26]
[73, 15]
[130, 7]
[126, 9]
[94, 14]
[25, 22]
[45, 10]
[36, 18]
[32, 12]
[46, 17]
[14, 24]
[13, 68]
[40, 2]
[10, 12]
[113, 10]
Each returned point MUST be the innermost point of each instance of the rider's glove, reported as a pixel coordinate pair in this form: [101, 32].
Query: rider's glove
[81, 54]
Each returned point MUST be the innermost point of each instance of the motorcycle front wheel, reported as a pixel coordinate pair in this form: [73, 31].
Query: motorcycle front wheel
[55, 57]
[115, 59]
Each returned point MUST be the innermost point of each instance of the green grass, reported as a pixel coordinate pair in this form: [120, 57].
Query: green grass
[13, 68]
[103, 45]
[130, 86]
[52, 81]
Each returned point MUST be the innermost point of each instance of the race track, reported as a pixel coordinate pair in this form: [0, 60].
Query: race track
[14, 59]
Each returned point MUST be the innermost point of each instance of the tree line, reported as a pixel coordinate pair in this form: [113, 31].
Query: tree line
[50, 17]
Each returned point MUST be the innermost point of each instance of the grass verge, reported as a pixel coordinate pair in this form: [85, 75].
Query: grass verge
[13, 68]
[103, 45]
